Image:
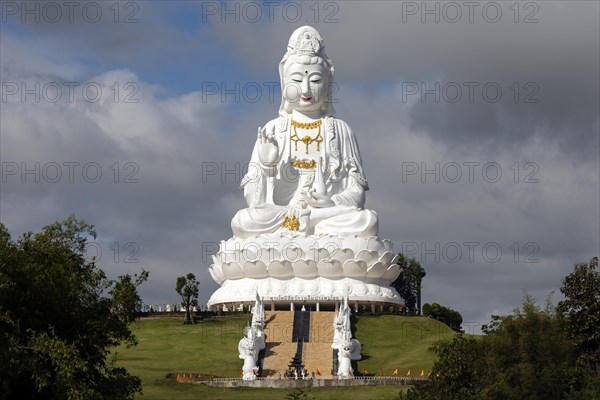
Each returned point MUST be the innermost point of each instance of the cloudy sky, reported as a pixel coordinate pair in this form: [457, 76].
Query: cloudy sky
[478, 126]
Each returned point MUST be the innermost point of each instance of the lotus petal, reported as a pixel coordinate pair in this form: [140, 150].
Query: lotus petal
[228, 257]
[318, 254]
[388, 245]
[232, 270]
[367, 256]
[216, 273]
[392, 273]
[249, 254]
[354, 243]
[395, 259]
[387, 257]
[305, 269]
[280, 269]
[229, 252]
[291, 254]
[341, 255]
[374, 244]
[255, 269]
[377, 270]
[268, 255]
[355, 268]
[330, 268]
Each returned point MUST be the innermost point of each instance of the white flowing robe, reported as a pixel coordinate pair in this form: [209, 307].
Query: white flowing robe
[271, 192]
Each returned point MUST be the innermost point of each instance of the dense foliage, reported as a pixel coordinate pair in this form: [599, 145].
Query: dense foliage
[408, 283]
[581, 311]
[56, 327]
[127, 303]
[533, 353]
[446, 315]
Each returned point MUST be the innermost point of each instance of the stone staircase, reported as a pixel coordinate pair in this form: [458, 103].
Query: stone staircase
[277, 358]
[279, 326]
[280, 347]
[318, 354]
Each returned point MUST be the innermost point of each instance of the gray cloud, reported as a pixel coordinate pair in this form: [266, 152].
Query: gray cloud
[554, 61]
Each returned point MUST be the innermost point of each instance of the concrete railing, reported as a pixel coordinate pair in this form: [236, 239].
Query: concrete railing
[290, 383]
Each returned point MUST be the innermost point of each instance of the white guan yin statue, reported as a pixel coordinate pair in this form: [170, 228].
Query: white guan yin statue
[305, 233]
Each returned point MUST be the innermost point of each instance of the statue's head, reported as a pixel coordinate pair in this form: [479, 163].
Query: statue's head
[346, 349]
[306, 75]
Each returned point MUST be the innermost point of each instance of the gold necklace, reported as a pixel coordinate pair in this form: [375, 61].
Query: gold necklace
[307, 140]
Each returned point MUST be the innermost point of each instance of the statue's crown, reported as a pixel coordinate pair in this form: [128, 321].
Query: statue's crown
[305, 41]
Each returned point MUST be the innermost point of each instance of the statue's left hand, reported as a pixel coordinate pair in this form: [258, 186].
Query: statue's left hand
[317, 200]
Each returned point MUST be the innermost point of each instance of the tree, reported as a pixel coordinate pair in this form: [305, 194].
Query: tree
[532, 353]
[446, 315]
[524, 355]
[126, 300]
[56, 327]
[456, 375]
[580, 311]
[408, 283]
[528, 354]
[187, 288]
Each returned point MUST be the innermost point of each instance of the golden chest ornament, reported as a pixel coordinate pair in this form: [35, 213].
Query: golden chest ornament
[306, 139]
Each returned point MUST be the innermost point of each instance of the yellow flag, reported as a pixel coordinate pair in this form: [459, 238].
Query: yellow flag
[422, 373]
[429, 374]
[395, 373]
[365, 372]
[408, 373]
[318, 372]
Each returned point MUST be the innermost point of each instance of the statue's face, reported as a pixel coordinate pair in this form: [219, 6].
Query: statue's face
[306, 86]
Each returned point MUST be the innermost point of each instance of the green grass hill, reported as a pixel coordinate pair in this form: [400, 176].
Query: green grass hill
[392, 342]
[210, 347]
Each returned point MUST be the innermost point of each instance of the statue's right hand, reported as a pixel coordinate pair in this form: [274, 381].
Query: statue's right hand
[268, 150]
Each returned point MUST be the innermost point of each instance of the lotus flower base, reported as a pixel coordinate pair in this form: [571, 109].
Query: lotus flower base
[292, 266]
